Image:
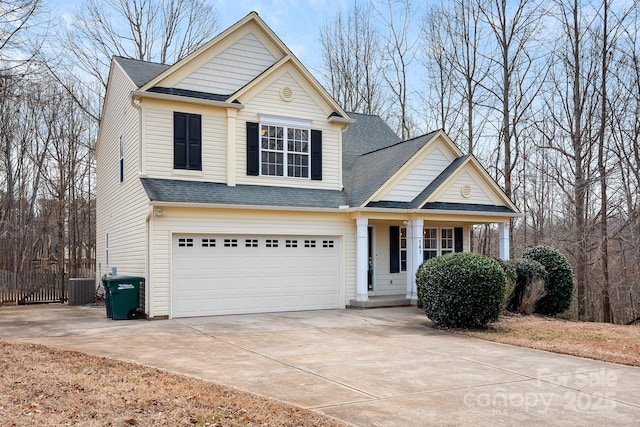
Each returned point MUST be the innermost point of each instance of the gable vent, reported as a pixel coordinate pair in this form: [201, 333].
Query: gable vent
[466, 191]
[286, 93]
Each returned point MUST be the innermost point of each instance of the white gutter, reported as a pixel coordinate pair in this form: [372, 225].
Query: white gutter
[247, 207]
[342, 209]
[440, 212]
[336, 119]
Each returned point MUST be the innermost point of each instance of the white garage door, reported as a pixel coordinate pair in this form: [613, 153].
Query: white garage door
[217, 274]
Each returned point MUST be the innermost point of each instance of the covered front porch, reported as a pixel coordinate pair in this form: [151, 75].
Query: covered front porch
[390, 249]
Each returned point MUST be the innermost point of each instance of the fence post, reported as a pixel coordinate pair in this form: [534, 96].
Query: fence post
[62, 288]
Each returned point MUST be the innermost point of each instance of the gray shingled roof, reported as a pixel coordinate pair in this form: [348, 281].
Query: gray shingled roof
[371, 170]
[140, 72]
[178, 191]
[368, 133]
[189, 93]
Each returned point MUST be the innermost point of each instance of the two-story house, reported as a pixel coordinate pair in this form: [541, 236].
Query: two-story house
[234, 183]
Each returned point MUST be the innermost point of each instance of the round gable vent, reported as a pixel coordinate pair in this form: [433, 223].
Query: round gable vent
[466, 191]
[286, 93]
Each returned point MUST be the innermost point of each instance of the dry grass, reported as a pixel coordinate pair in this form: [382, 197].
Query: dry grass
[600, 341]
[44, 386]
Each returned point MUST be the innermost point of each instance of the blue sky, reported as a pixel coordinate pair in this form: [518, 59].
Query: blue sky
[297, 23]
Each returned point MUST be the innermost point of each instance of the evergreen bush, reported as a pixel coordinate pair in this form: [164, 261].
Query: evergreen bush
[559, 284]
[461, 289]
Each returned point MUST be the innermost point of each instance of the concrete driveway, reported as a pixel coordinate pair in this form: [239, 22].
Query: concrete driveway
[382, 367]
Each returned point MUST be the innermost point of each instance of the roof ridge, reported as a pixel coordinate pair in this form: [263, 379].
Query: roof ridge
[398, 143]
[142, 60]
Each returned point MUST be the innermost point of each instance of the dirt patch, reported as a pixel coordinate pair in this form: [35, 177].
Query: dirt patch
[44, 386]
[599, 341]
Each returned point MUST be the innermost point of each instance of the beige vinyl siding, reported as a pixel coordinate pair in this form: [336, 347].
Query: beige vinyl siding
[386, 283]
[158, 141]
[304, 105]
[481, 194]
[241, 222]
[414, 182]
[121, 207]
[231, 69]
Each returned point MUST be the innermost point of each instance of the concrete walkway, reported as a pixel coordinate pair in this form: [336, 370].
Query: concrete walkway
[381, 367]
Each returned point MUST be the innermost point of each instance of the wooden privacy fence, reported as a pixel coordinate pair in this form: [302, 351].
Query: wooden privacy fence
[30, 287]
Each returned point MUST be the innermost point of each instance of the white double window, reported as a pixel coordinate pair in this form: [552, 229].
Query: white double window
[285, 146]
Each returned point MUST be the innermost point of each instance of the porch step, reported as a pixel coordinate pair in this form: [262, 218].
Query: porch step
[382, 301]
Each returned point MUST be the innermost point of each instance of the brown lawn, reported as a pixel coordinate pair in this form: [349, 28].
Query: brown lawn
[43, 386]
[600, 341]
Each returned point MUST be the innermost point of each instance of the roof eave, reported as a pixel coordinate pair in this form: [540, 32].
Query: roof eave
[244, 207]
[341, 120]
[438, 211]
[185, 99]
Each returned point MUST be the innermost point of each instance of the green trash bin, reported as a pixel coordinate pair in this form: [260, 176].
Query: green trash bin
[124, 296]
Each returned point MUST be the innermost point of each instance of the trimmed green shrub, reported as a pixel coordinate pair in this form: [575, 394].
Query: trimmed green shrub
[530, 285]
[461, 289]
[559, 284]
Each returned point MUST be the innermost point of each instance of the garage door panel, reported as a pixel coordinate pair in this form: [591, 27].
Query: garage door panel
[217, 274]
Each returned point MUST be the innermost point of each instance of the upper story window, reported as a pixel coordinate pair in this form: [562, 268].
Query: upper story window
[286, 147]
[121, 157]
[284, 151]
[187, 141]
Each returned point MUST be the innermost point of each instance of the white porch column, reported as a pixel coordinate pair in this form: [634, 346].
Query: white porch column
[232, 113]
[414, 255]
[503, 233]
[362, 259]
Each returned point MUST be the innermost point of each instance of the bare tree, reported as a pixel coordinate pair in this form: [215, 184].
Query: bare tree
[23, 139]
[572, 108]
[20, 40]
[517, 73]
[602, 167]
[352, 61]
[68, 155]
[162, 31]
[441, 102]
[399, 51]
[624, 131]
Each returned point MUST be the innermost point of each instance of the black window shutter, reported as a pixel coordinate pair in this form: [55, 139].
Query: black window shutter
[457, 236]
[316, 155]
[253, 149]
[195, 142]
[179, 140]
[394, 249]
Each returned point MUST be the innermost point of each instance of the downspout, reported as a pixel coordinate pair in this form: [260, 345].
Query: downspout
[135, 103]
[147, 283]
